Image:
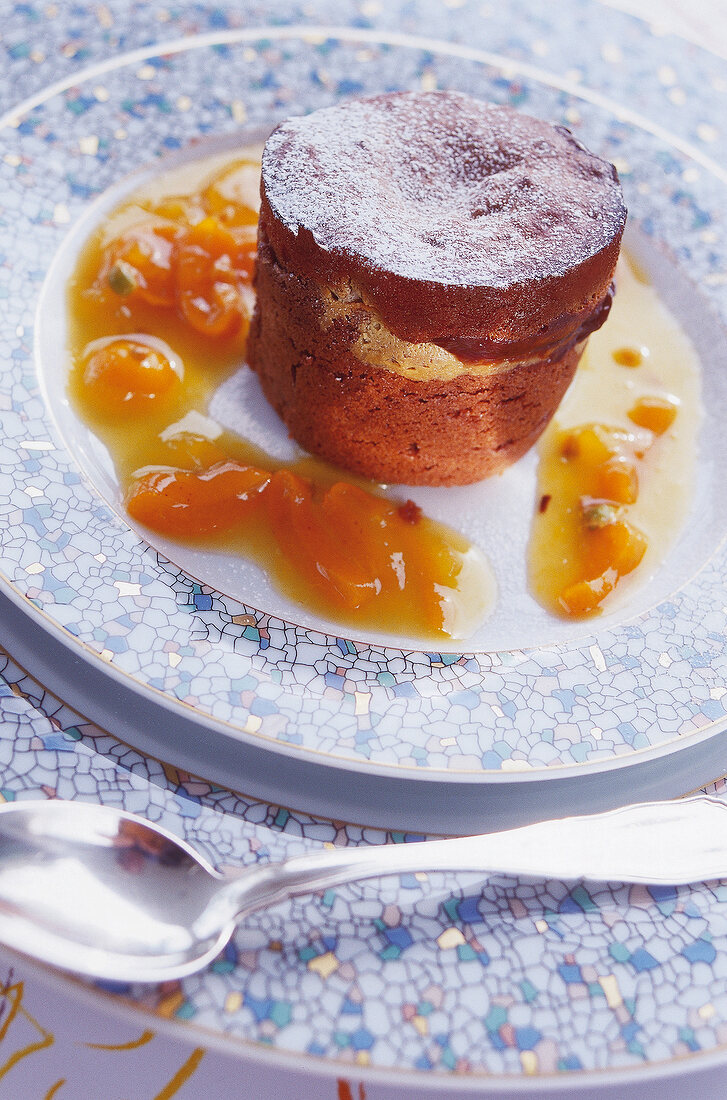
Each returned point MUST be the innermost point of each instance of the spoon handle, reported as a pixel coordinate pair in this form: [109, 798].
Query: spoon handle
[668, 842]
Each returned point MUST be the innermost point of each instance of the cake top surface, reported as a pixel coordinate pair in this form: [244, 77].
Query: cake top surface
[437, 186]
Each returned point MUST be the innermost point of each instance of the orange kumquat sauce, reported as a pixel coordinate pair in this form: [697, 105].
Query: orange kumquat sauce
[601, 515]
[160, 305]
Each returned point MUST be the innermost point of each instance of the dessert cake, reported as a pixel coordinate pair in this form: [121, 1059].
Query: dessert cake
[429, 268]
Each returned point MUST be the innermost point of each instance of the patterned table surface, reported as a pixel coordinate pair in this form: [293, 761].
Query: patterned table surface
[416, 987]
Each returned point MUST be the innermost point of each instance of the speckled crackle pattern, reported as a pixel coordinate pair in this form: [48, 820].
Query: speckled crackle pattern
[78, 562]
[510, 978]
[420, 973]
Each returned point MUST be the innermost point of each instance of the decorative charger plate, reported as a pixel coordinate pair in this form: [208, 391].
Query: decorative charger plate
[406, 986]
[540, 715]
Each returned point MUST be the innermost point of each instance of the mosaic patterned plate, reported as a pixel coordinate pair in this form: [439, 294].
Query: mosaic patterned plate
[233, 688]
[538, 715]
[420, 986]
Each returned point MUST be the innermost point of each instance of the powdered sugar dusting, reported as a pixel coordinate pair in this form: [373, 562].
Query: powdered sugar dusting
[439, 187]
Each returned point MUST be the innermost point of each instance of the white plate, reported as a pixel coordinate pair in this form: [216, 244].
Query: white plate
[392, 990]
[541, 716]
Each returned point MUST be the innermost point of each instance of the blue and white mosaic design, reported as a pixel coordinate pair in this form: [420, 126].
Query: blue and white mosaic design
[513, 979]
[569, 705]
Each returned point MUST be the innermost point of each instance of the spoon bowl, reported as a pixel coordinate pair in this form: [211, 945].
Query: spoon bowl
[102, 892]
[106, 894]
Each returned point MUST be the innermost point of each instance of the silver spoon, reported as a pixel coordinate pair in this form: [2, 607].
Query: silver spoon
[103, 893]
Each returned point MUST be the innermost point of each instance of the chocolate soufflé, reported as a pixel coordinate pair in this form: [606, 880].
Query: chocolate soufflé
[429, 268]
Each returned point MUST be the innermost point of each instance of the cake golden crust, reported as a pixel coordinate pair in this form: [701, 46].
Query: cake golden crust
[381, 424]
[445, 223]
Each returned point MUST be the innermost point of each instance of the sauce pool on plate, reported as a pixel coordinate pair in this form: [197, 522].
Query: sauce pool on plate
[617, 463]
[160, 305]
